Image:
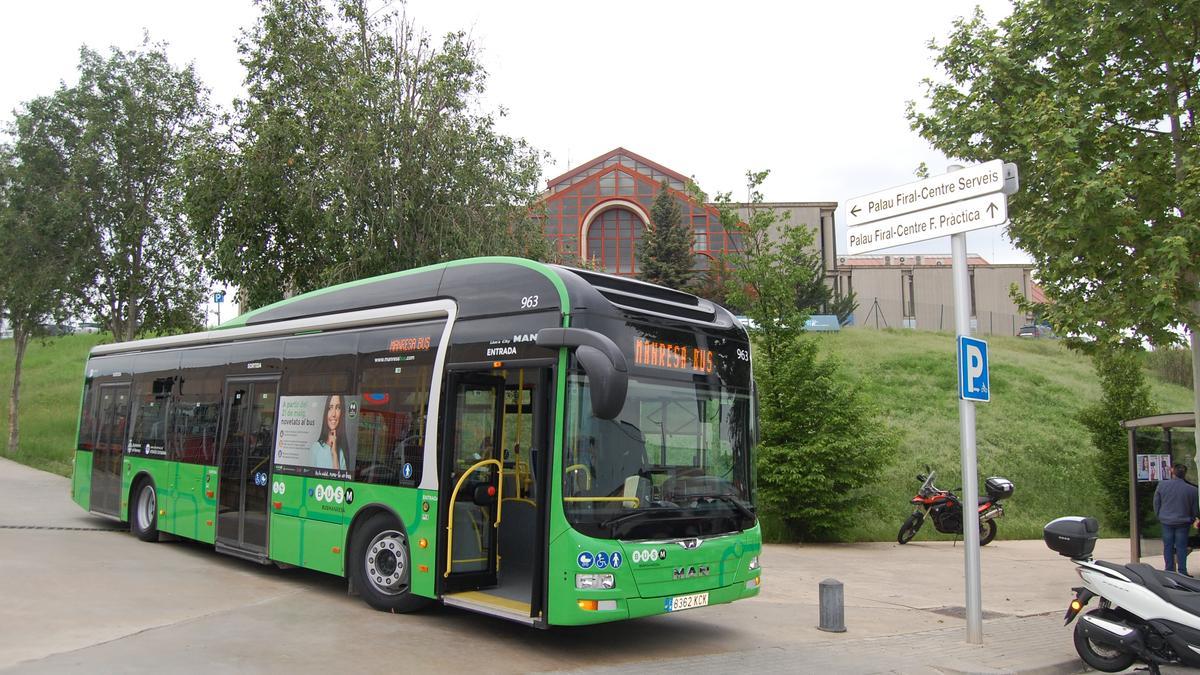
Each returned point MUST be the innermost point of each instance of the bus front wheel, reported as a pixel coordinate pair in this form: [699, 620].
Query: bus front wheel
[143, 511]
[380, 565]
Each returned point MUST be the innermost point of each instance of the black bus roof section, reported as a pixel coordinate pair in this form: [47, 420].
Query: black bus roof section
[499, 286]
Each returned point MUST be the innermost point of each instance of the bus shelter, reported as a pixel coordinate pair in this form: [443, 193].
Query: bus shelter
[1155, 443]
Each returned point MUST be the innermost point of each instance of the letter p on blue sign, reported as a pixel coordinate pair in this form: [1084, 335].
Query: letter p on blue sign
[973, 384]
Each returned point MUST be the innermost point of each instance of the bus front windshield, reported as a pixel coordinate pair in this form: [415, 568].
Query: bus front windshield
[675, 463]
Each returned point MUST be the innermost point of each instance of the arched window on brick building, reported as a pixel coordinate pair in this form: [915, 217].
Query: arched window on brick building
[613, 238]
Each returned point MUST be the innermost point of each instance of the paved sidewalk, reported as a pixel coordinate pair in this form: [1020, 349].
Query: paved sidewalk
[128, 606]
[1037, 645]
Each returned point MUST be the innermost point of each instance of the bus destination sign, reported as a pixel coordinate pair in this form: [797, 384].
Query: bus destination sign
[672, 356]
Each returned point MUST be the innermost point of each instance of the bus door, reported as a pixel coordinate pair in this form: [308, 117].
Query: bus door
[113, 417]
[497, 424]
[245, 465]
[470, 480]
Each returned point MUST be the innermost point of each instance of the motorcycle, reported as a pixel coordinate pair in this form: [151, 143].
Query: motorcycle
[945, 509]
[1144, 614]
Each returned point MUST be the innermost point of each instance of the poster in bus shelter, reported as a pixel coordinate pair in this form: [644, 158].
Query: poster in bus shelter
[1153, 468]
[317, 435]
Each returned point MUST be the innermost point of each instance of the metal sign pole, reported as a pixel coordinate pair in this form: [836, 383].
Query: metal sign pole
[966, 428]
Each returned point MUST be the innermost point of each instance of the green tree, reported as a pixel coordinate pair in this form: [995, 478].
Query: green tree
[714, 283]
[665, 254]
[814, 294]
[819, 450]
[1097, 104]
[41, 238]
[124, 131]
[1124, 395]
[357, 151]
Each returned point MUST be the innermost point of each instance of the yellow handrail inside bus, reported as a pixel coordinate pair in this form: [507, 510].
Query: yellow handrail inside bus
[454, 497]
[586, 472]
[636, 502]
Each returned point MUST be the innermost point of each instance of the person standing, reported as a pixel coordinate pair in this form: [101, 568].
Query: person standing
[1177, 505]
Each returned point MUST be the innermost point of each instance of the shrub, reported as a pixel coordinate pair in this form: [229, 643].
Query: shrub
[820, 449]
[1124, 395]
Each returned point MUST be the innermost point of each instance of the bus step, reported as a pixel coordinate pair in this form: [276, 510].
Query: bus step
[246, 554]
[484, 603]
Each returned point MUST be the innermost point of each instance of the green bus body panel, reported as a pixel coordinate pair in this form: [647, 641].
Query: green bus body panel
[720, 566]
[187, 495]
[81, 479]
[190, 501]
[311, 519]
[315, 544]
[161, 472]
[406, 503]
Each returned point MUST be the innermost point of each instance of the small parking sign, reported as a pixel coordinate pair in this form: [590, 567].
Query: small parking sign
[973, 383]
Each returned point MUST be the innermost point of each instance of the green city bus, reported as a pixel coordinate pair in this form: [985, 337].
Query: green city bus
[550, 445]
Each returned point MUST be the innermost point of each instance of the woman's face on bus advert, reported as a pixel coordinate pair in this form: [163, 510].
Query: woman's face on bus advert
[333, 412]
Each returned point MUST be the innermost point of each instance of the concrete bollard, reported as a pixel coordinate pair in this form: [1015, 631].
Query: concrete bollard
[833, 609]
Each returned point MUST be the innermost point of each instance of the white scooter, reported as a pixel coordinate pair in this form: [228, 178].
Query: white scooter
[1144, 615]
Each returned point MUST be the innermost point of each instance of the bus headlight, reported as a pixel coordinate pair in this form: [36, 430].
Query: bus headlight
[594, 581]
[754, 563]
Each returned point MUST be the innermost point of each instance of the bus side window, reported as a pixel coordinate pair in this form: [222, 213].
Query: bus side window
[395, 373]
[196, 411]
[87, 417]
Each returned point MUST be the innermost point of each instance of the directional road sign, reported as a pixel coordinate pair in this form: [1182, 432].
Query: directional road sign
[970, 214]
[973, 380]
[973, 181]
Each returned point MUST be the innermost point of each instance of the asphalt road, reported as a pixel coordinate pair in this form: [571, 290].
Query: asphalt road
[95, 599]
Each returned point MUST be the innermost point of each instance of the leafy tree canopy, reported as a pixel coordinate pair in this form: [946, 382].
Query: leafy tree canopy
[1096, 102]
[358, 151]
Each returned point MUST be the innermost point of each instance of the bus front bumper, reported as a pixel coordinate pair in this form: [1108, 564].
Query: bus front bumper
[588, 611]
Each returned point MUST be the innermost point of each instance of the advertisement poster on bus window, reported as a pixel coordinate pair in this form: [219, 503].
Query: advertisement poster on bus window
[317, 435]
[1153, 468]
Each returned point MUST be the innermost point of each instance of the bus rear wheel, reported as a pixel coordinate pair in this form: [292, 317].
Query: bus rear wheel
[143, 511]
[381, 567]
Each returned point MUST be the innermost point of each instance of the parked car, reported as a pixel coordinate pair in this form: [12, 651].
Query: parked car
[87, 327]
[1035, 331]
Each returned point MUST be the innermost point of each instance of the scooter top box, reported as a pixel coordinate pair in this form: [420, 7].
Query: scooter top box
[998, 488]
[1072, 536]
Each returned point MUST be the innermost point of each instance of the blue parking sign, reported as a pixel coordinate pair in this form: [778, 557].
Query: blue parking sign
[973, 382]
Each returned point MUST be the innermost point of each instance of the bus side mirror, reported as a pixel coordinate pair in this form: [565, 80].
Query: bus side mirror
[602, 360]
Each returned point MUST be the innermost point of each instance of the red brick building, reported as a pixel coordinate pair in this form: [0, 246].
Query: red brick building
[598, 211]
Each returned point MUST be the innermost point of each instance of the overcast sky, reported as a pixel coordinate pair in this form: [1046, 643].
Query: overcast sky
[815, 92]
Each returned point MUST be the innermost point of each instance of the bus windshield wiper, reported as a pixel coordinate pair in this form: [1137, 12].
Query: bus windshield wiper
[728, 499]
[613, 522]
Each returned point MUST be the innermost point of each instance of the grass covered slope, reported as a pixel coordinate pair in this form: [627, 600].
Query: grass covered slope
[1028, 433]
[51, 387]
